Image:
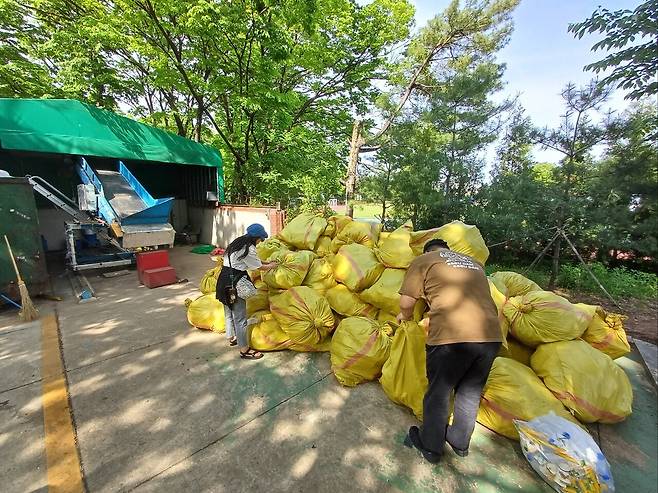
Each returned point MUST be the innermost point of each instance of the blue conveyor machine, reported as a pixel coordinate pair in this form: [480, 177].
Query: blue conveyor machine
[122, 200]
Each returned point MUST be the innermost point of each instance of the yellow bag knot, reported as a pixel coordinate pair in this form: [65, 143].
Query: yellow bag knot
[525, 308]
[187, 302]
[318, 322]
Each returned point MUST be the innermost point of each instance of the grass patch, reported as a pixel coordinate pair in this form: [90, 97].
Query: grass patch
[620, 282]
[367, 210]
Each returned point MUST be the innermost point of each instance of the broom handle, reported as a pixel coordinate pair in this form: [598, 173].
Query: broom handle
[13, 261]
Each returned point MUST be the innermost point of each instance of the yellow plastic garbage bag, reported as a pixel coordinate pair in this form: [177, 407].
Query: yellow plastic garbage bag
[208, 282]
[404, 377]
[265, 249]
[384, 293]
[260, 284]
[303, 314]
[516, 284]
[419, 312]
[303, 231]
[460, 237]
[499, 285]
[386, 317]
[323, 246]
[395, 251]
[587, 381]
[259, 316]
[267, 335]
[356, 267]
[466, 239]
[605, 331]
[359, 348]
[206, 312]
[335, 224]
[417, 239]
[499, 299]
[541, 316]
[259, 301]
[291, 271]
[513, 391]
[347, 303]
[320, 276]
[516, 351]
[360, 232]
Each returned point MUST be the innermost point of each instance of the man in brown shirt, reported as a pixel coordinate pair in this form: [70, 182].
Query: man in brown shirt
[463, 338]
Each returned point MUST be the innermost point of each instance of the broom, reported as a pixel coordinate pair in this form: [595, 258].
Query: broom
[29, 311]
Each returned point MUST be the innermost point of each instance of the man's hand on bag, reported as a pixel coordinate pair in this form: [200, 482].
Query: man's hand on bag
[425, 324]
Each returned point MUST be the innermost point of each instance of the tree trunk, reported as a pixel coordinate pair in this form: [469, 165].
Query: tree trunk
[385, 194]
[238, 183]
[555, 270]
[350, 183]
[199, 123]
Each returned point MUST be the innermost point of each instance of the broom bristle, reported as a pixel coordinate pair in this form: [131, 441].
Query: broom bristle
[29, 312]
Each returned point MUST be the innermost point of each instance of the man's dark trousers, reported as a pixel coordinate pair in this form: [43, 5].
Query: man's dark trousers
[464, 368]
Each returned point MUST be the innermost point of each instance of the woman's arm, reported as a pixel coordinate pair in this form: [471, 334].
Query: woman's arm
[268, 266]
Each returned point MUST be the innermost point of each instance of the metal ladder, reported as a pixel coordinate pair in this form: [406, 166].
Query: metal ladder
[58, 198]
[50, 192]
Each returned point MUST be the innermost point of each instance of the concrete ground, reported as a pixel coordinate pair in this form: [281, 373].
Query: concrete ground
[158, 405]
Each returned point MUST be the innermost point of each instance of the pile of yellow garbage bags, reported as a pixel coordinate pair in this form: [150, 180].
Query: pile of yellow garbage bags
[335, 290]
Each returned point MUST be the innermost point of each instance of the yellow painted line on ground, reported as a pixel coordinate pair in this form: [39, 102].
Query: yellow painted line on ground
[62, 459]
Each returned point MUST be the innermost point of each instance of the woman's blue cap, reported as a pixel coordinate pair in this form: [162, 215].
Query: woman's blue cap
[257, 231]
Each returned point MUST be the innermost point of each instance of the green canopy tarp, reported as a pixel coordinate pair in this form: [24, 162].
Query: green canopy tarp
[65, 126]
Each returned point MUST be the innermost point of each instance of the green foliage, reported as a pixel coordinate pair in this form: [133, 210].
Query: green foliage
[618, 281]
[276, 85]
[270, 82]
[515, 148]
[430, 166]
[624, 189]
[607, 205]
[19, 75]
[634, 64]
[513, 209]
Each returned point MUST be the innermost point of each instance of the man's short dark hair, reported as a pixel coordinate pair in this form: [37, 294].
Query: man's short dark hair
[434, 244]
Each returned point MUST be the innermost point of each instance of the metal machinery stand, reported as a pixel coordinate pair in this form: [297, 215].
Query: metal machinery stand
[123, 257]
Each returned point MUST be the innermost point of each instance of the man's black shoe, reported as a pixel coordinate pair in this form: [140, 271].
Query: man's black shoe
[413, 441]
[458, 451]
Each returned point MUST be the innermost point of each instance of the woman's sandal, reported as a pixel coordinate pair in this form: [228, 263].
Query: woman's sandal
[233, 341]
[251, 354]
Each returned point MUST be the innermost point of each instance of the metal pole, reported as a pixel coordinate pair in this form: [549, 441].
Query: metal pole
[543, 252]
[589, 271]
